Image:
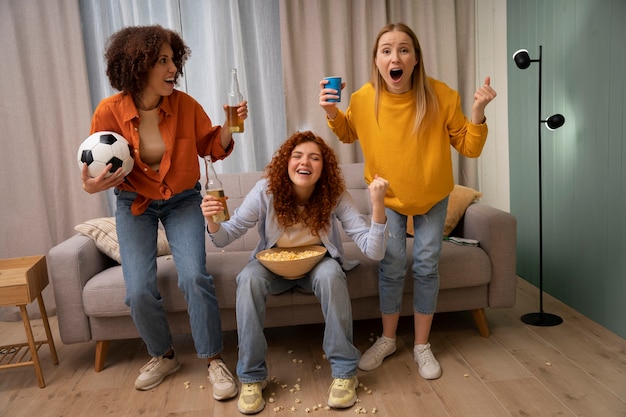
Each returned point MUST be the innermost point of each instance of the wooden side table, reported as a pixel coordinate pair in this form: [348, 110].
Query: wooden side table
[21, 282]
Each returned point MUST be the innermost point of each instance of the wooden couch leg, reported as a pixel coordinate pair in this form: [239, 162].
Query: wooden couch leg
[481, 321]
[102, 346]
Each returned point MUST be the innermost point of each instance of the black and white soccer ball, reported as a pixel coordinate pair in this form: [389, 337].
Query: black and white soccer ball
[103, 148]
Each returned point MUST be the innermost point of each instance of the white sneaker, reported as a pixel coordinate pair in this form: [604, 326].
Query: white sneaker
[374, 356]
[153, 373]
[224, 386]
[428, 366]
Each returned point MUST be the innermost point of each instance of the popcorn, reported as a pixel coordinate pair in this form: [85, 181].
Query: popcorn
[287, 255]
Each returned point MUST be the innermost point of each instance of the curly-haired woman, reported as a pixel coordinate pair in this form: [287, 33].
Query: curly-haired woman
[300, 202]
[167, 131]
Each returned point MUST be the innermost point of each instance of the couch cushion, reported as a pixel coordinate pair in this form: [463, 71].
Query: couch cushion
[103, 295]
[459, 200]
[103, 233]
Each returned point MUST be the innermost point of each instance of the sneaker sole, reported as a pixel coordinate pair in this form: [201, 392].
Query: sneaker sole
[429, 377]
[226, 396]
[157, 383]
[248, 412]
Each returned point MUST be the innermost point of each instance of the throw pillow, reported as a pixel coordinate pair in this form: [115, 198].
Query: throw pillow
[103, 233]
[460, 198]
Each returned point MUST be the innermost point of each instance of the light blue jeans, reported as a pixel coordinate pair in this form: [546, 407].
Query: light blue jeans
[328, 282]
[184, 225]
[427, 242]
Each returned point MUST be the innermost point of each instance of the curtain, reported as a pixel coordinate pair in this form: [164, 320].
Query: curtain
[45, 115]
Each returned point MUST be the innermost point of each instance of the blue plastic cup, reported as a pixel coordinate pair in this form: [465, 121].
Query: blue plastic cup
[335, 84]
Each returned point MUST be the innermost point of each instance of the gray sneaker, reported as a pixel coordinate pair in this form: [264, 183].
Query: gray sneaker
[224, 386]
[428, 366]
[374, 356]
[153, 373]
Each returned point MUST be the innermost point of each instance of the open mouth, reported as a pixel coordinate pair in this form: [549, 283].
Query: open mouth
[396, 74]
[303, 172]
[170, 81]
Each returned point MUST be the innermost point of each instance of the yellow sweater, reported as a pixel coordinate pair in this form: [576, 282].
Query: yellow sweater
[418, 166]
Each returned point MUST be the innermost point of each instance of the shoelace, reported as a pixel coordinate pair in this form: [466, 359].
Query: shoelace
[150, 365]
[248, 389]
[426, 357]
[381, 345]
[218, 374]
[340, 383]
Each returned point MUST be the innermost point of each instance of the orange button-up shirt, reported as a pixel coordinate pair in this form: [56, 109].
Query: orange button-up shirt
[187, 133]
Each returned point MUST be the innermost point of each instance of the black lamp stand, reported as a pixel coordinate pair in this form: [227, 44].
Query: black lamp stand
[540, 318]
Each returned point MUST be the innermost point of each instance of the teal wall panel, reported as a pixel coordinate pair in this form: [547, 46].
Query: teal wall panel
[583, 163]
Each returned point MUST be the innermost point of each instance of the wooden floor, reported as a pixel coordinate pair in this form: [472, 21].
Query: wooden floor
[575, 369]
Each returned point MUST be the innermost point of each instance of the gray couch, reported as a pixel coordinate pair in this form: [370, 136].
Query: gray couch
[89, 287]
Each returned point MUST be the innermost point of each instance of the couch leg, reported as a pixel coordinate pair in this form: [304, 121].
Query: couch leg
[102, 346]
[481, 321]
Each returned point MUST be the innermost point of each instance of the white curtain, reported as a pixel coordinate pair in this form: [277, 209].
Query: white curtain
[45, 114]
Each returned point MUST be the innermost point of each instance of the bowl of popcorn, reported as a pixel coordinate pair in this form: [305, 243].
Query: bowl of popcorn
[291, 263]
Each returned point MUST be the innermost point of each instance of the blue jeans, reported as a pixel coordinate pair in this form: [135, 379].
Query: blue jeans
[427, 242]
[328, 282]
[184, 225]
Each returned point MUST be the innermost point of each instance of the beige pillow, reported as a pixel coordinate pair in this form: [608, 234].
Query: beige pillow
[103, 233]
[460, 198]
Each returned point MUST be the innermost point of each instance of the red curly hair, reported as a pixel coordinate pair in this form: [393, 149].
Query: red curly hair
[328, 189]
[133, 51]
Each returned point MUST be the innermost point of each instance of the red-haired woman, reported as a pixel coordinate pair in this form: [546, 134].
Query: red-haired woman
[301, 202]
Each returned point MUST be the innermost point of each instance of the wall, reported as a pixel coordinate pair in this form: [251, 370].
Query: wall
[583, 175]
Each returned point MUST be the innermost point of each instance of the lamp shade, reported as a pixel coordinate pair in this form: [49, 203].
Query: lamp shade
[522, 59]
[555, 121]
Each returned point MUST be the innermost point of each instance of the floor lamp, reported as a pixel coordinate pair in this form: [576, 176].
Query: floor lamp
[523, 61]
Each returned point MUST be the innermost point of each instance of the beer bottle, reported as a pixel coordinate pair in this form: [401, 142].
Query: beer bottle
[234, 122]
[214, 187]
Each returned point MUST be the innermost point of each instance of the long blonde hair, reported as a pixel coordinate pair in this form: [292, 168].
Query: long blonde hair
[426, 104]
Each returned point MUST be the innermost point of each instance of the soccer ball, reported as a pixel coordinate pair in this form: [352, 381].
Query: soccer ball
[103, 148]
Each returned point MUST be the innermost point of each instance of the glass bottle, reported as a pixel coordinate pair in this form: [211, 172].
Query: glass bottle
[214, 187]
[234, 122]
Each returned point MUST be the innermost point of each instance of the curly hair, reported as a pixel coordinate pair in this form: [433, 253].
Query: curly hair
[328, 189]
[133, 51]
